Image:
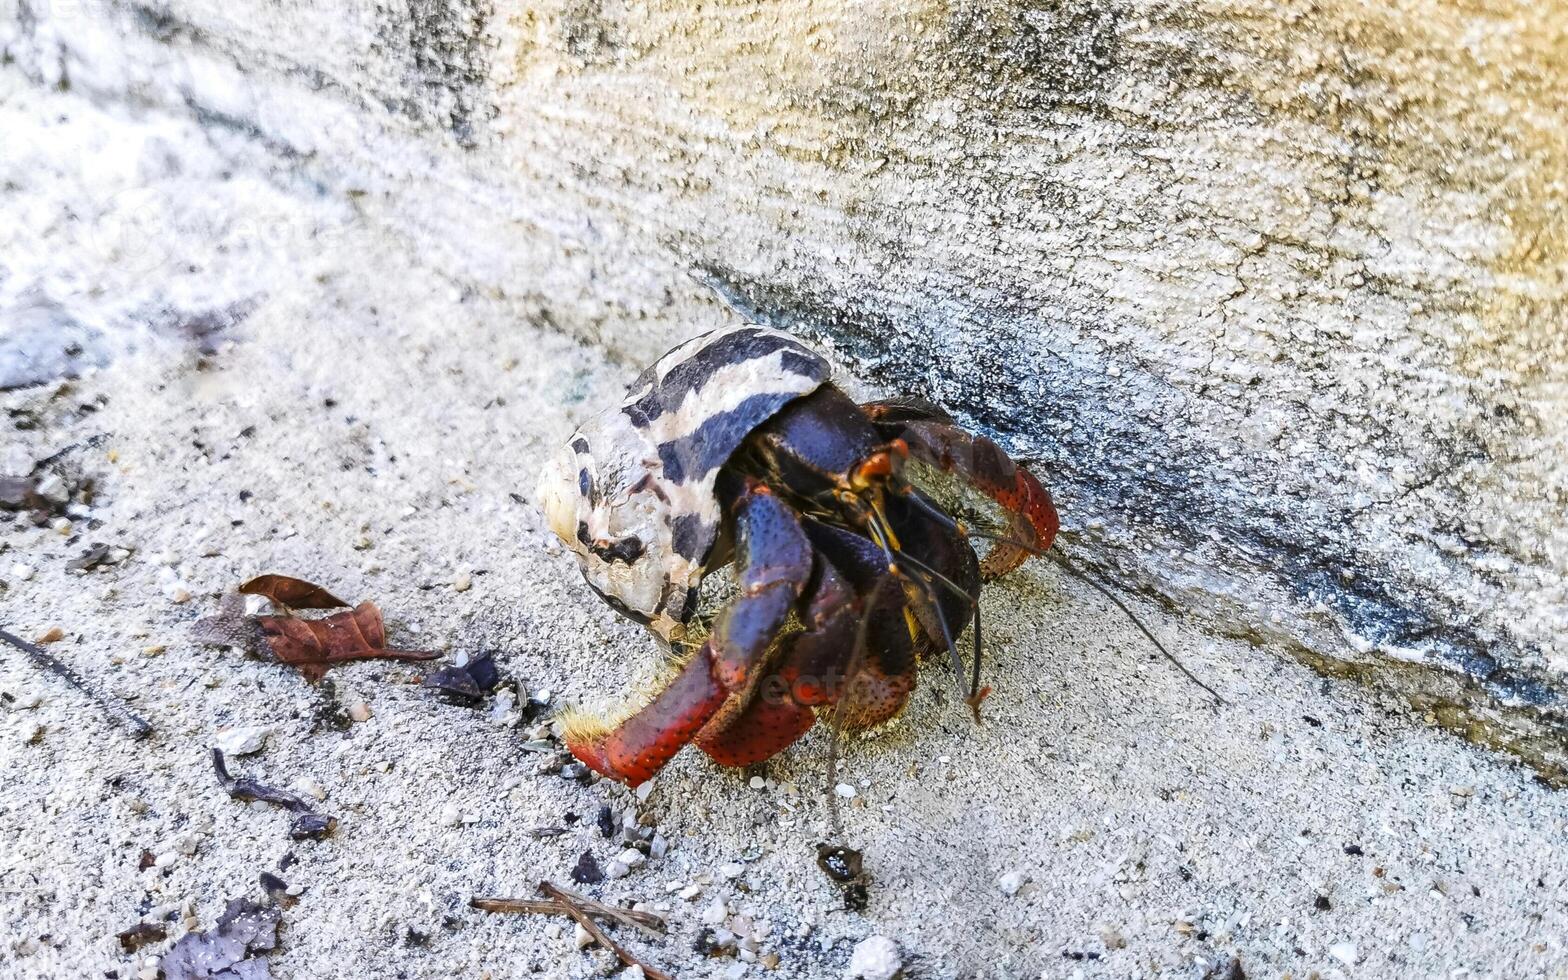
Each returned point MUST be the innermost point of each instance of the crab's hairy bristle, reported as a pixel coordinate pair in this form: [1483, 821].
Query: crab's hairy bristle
[583, 725]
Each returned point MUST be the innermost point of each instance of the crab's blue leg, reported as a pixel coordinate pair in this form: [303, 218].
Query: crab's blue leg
[778, 707]
[775, 562]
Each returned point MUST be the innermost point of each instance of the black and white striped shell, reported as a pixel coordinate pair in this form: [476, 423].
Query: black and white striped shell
[632, 494]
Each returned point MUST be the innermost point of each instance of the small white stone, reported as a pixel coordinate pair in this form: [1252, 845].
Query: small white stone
[875, 958]
[21, 572]
[462, 581]
[165, 859]
[582, 938]
[634, 972]
[715, 913]
[632, 858]
[735, 971]
[757, 782]
[359, 711]
[52, 488]
[451, 816]
[734, 869]
[311, 788]
[643, 791]
[616, 869]
[243, 740]
[1346, 953]
[1010, 883]
[658, 847]
[845, 790]
[691, 891]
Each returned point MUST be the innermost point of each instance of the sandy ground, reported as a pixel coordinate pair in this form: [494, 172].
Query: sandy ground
[364, 424]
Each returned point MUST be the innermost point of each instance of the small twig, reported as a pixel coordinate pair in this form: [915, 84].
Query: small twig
[648, 923]
[111, 705]
[90, 442]
[574, 909]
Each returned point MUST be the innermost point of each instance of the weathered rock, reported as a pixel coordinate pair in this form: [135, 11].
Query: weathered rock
[1272, 297]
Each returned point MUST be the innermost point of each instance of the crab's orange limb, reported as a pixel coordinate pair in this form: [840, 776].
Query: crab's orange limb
[776, 562]
[762, 729]
[638, 747]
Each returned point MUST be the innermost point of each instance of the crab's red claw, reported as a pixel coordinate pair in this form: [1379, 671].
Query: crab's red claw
[638, 747]
[934, 439]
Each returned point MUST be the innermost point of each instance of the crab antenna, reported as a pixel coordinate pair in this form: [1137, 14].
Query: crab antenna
[974, 602]
[1071, 566]
[884, 539]
[857, 657]
[1104, 590]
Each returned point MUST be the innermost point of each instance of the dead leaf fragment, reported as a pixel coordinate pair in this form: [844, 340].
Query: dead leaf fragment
[141, 934]
[292, 593]
[232, 950]
[20, 493]
[313, 645]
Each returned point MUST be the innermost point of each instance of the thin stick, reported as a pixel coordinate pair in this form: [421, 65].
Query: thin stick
[112, 706]
[582, 918]
[646, 922]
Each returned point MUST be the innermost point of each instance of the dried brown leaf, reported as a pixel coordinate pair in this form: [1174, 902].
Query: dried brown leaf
[313, 645]
[292, 593]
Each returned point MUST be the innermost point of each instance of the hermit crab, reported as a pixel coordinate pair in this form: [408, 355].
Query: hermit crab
[736, 448]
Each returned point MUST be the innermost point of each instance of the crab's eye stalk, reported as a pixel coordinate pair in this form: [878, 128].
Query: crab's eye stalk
[559, 495]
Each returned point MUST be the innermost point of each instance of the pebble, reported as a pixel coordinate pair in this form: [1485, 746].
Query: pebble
[22, 572]
[582, 938]
[757, 782]
[845, 790]
[311, 788]
[735, 971]
[1346, 953]
[658, 847]
[632, 858]
[165, 859]
[244, 740]
[715, 913]
[732, 870]
[1010, 883]
[359, 711]
[616, 869]
[634, 972]
[463, 581]
[54, 635]
[875, 958]
[451, 816]
[691, 891]
[643, 791]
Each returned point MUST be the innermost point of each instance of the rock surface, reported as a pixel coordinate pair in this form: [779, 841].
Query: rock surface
[340, 344]
[1273, 296]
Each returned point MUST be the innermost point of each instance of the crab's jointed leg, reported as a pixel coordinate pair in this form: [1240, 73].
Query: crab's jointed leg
[775, 710]
[775, 566]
